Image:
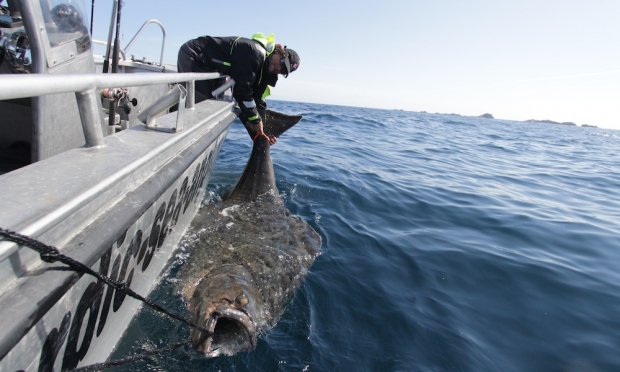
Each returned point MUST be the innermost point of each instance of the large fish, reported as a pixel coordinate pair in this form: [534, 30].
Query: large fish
[247, 255]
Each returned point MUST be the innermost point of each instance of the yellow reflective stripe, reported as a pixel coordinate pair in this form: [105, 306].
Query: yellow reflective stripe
[266, 93]
[255, 117]
[221, 62]
[233, 44]
[260, 78]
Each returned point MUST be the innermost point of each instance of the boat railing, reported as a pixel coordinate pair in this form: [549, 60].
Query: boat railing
[87, 90]
[123, 52]
[87, 87]
[163, 42]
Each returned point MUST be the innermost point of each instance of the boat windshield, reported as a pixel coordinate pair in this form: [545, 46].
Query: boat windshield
[65, 22]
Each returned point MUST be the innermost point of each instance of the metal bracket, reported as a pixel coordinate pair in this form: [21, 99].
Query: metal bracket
[177, 95]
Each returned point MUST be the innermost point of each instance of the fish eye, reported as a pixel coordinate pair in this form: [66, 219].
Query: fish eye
[241, 300]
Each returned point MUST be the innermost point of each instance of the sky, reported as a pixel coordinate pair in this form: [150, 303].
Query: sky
[517, 60]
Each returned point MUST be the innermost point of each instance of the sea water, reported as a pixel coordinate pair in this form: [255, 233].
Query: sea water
[450, 243]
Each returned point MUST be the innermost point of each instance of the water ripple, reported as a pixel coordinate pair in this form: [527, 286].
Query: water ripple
[449, 243]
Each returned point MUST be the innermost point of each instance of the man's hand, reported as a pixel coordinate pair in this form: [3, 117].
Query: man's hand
[258, 132]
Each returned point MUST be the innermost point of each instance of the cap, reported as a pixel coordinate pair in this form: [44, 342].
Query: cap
[291, 61]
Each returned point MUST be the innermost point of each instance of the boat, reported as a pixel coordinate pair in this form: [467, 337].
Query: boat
[105, 158]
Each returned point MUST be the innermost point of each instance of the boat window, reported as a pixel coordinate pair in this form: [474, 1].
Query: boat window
[65, 22]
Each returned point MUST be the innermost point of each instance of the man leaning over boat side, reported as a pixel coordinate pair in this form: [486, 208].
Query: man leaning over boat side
[253, 63]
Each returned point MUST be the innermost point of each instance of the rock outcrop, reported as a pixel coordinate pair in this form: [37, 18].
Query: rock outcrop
[551, 122]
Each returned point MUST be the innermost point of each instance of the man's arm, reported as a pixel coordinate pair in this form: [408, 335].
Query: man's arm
[245, 69]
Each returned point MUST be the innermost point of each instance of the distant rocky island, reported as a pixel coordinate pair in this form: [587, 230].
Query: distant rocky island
[490, 116]
[569, 123]
[551, 122]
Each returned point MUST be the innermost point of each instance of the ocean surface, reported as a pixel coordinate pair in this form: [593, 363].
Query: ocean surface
[450, 243]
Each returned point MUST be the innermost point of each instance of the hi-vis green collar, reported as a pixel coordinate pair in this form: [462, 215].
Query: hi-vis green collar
[268, 42]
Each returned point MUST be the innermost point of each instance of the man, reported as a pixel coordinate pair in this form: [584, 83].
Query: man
[253, 63]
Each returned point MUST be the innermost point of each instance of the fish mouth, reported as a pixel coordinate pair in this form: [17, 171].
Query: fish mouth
[232, 332]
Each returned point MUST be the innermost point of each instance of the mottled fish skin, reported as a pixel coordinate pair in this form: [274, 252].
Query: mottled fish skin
[247, 257]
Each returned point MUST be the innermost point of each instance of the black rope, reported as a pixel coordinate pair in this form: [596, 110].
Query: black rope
[51, 254]
[134, 358]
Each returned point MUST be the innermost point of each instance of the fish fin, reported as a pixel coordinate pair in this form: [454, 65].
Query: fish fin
[275, 123]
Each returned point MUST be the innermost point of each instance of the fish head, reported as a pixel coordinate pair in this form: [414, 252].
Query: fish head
[228, 304]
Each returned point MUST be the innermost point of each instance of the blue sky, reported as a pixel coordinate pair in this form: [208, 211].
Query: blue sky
[518, 60]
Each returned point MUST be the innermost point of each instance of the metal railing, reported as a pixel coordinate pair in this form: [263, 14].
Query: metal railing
[86, 88]
[22, 86]
[163, 42]
[123, 52]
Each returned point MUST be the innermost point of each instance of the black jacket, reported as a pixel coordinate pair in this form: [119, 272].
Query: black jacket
[245, 61]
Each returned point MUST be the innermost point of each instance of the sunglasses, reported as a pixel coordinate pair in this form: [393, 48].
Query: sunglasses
[283, 69]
